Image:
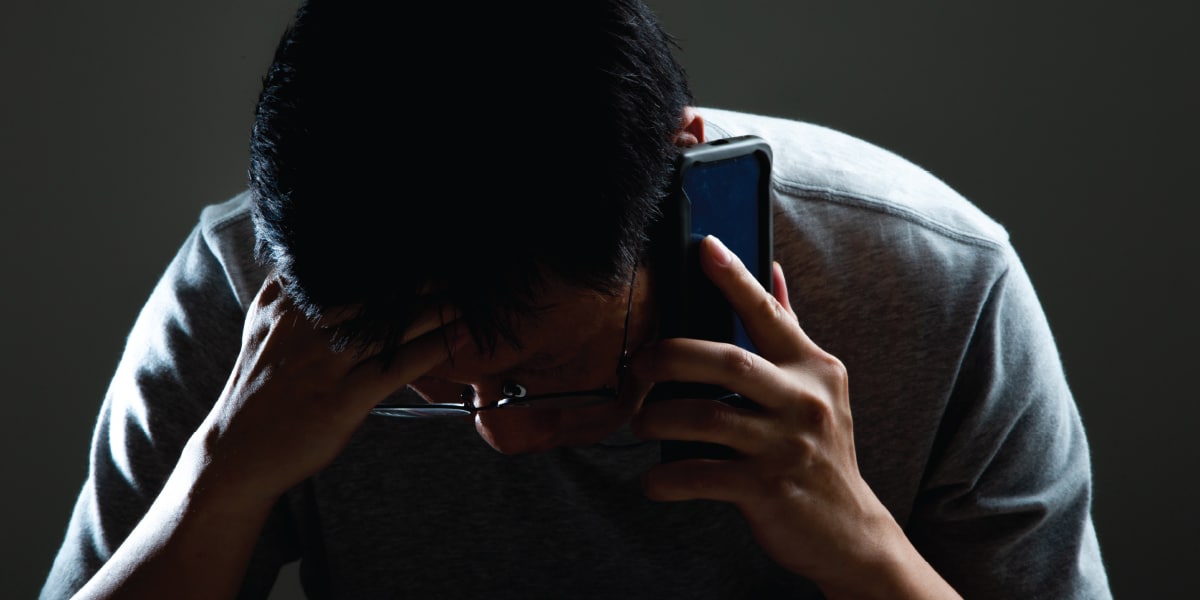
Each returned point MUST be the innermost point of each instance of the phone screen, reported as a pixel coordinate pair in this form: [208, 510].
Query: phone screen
[724, 197]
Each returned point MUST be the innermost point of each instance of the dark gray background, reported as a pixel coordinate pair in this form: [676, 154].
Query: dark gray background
[1072, 123]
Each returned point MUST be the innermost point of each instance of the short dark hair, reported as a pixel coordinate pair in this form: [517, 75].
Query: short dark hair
[407, 154]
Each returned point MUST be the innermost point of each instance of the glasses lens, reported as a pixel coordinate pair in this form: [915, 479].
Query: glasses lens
[556, 401]
[420, 411]
[406, 403]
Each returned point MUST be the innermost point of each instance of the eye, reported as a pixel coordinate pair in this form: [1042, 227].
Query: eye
[555, 371]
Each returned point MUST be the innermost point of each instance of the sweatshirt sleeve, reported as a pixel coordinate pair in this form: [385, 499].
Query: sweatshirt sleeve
[175, 363]
[1004, 510]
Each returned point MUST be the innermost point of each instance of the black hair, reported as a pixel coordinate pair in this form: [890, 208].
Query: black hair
[434, 153]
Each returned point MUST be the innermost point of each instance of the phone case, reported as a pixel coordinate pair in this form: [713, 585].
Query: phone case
[689, 304]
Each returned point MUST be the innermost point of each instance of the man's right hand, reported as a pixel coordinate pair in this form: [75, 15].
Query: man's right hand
[291, 403]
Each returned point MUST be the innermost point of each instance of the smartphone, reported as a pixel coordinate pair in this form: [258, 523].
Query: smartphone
[723, 188]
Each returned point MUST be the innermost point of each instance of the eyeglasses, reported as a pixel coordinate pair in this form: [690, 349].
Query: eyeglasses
[514, 394]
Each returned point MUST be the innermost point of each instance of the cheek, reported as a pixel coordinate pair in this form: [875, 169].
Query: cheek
[438, 390]
[512, 431]
[470, 365]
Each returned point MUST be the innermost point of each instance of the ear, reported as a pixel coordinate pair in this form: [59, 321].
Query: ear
[691, 128]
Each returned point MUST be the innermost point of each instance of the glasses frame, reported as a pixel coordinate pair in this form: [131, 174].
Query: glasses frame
[514, 394]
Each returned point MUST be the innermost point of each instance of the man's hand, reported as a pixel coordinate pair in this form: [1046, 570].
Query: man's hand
[292, 403]
[289, 407]
[797, 480]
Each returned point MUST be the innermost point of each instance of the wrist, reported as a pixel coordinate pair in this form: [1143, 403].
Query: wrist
[215, 480]
[889, 567]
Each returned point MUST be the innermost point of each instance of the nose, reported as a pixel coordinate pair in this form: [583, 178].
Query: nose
[483, 393]
[445, 391]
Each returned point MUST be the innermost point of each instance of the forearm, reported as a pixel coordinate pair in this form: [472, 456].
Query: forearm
[891, 569]
[194, 542]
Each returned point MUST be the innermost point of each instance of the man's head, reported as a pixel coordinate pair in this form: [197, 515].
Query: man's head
[494, 157]
[526, 142]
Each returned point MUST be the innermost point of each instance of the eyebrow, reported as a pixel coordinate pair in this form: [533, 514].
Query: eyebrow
[540, 360]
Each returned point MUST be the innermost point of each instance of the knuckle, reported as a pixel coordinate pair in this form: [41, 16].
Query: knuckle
[740, 362]
[256, 328]
[801, 447]
[771, 307]
[775, 484]
[837, 369]
[698, 482]
[710, 417]
[820, 417]
[832, 371]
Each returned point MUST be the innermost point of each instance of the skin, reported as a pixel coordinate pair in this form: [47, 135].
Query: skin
[289, 407]
[575, 345]
[797, 481]
[291, 404]
[583, 329]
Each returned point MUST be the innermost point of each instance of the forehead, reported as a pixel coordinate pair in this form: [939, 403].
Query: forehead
[573, 323]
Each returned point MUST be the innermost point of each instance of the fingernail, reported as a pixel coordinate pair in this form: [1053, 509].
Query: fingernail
[723, 256]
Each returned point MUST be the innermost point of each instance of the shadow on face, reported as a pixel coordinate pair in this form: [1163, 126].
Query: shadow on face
[576, 344]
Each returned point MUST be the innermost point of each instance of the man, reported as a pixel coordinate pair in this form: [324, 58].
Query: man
[916, 436]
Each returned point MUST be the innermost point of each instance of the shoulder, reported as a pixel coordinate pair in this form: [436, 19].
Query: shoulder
[812, 163]
[864, 227]
[227, 230]
[883, 260]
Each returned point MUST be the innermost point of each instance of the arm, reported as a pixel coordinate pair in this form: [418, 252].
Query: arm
[797, 480]
[289, 407]
[1004, 507]
[160, 456]
[195, 541]
[176, 360]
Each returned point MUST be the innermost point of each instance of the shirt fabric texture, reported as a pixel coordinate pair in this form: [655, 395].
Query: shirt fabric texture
[965, 426]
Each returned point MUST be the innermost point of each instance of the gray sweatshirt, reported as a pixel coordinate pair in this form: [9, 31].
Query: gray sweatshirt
[964, 424]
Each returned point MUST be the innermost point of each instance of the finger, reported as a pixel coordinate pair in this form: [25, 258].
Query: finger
[432, 318]
[427, 320]
[270, 302]
[267, 301]
[775, 333]
[695, 420]
[371, 380]
[270, 291]
[442, 319]
[332, 317]
[731, 367]
[779, 288]
[698, 479]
